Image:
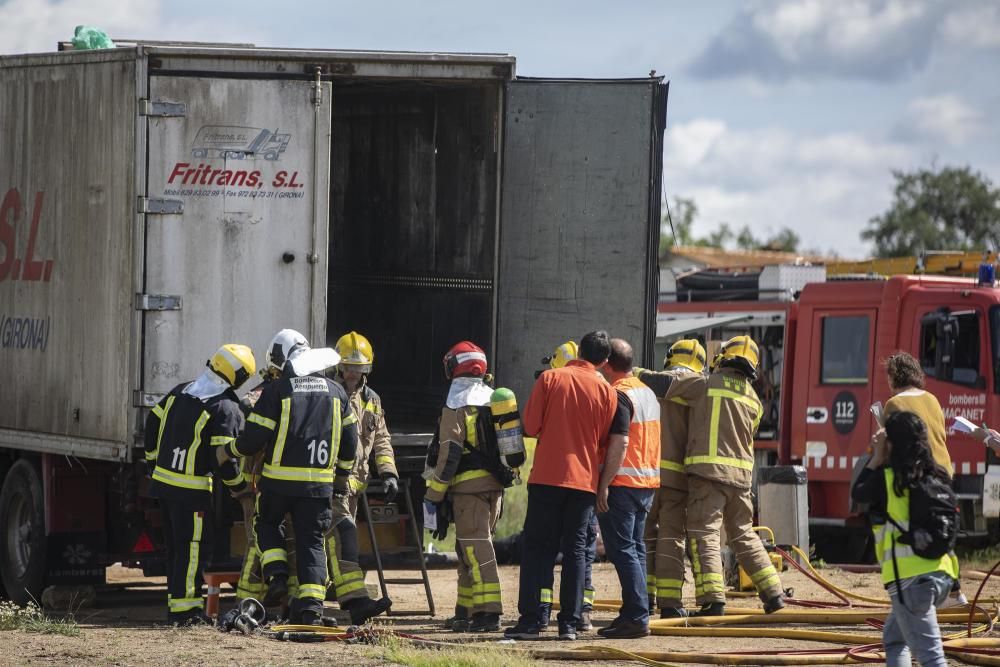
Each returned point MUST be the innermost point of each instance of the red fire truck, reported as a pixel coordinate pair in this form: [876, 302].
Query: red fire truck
[822, 342]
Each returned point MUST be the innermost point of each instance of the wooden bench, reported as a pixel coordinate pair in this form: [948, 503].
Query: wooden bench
[214, 581]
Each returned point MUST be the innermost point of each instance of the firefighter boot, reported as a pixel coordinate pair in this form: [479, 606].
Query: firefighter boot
[485, 621]
[459, 622]
[364, 609]
[773, 604]
[711, 609]
[673, 612]
[277, 590]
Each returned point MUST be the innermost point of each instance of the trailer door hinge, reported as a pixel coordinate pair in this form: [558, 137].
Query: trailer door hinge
[162, 109]
[157, 302]
[160, 206]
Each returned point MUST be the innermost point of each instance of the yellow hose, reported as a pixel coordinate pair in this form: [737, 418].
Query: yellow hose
[831, 616]
[660, 657]
[832, 586]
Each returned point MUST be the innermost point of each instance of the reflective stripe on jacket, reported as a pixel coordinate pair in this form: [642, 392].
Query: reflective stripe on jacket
[908, 563]
[641, 467]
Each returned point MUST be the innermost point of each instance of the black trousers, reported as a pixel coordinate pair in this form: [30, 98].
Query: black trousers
[556, 517]
[311, 520]
[186, 530]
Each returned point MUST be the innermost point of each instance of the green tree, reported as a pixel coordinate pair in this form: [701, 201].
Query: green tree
[937, 209]
[682, 214]
[784, 241]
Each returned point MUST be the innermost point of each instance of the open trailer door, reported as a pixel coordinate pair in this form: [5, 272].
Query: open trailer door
[580, 215]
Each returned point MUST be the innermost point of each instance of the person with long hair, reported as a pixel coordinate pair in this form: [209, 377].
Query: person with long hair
[902, 459]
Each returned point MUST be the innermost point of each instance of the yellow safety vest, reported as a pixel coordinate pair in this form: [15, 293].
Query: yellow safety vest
[908, 563]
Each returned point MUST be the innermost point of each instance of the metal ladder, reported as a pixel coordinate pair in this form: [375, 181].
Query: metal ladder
[383, 516]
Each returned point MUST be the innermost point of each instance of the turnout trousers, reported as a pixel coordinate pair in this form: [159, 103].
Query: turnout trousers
[476, 517]
[251, 583]
[186, 530]
[342, 551]
[665, 547]
[710, 505]
[310, 521]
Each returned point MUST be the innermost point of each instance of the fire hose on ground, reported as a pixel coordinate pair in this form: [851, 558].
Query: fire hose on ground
[854, 648]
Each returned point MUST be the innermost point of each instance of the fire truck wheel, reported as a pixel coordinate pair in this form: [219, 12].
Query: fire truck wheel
[22, 533]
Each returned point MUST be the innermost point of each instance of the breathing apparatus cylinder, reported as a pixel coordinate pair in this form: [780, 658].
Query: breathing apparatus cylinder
[507, 423]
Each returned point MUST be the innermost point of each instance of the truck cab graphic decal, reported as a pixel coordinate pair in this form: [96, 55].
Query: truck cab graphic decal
[238, 143]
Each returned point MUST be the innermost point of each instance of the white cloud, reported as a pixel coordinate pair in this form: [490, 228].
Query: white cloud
[31, 26]
[867, 39]
[941, 118]
[974, 25]
[825, 187]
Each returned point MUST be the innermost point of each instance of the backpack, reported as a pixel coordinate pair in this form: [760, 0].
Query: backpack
[933, 518]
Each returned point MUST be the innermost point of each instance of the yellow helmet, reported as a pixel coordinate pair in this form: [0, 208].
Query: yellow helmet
[233, 363]
[355, 352]
[739, 352]
[565, 353]
[687, 352]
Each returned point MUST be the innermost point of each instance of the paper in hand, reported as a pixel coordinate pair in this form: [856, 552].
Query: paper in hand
[963, 425]
[430, 516]
[877, 413]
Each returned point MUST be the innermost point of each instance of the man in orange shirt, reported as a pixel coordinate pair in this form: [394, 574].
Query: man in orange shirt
[572, 411]
[631, 496]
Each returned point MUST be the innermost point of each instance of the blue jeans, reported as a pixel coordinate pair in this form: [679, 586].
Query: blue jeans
[622, 528]
[913, 625]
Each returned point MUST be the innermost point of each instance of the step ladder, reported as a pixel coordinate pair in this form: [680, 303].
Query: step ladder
[377, 514]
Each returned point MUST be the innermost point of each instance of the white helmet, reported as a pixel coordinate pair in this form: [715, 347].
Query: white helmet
[290, 348]
[286, 344]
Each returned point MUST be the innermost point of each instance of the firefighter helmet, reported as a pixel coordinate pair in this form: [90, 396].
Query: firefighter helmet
[564, 354]
[285, 344]
[739, 352]
[465, 359]
[687, 352]
[355, 352]
[233, 363]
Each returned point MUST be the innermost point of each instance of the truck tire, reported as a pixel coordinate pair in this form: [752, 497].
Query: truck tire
[22, 533]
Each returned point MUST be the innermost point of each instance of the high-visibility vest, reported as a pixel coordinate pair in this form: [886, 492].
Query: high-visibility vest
[907, 563]
[641, 468]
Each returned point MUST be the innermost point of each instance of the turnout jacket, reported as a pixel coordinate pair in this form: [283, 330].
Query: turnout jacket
[182, 439]
[373, 437]
[453, 470]
[725, 413]
[308, 433]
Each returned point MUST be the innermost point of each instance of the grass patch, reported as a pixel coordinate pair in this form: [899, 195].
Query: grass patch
[30, 618]
[471, 655]
[515, 507]
[978, 559]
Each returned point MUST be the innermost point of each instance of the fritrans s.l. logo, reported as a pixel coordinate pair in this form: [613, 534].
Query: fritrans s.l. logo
[239, 143]
[76, 554]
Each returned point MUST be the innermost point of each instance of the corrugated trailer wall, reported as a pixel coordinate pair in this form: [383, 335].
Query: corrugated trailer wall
[67, 203]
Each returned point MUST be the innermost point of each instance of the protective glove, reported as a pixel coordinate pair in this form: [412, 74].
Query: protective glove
[391, 486]
[444, 518]
[341, 487]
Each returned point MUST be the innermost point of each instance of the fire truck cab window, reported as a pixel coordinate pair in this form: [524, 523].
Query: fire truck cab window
[995, 338]
[965, 369]
[845, 350]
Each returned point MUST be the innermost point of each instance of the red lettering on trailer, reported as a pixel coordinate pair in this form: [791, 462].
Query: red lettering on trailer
[10, 212]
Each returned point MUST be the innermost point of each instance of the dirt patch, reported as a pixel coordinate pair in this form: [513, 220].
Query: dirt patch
[127, 629]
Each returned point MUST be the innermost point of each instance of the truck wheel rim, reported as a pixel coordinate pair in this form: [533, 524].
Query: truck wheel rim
[19, 531]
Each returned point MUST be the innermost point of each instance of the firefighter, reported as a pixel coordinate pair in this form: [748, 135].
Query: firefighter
[725, 413]
[304, 424]
[186, 439]
[356, 358]
[665, 533]
[457, 475]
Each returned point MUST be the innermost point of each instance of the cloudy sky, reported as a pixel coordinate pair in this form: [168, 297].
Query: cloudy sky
[783, 113]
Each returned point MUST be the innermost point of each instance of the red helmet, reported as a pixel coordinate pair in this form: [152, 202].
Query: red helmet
[465, 359]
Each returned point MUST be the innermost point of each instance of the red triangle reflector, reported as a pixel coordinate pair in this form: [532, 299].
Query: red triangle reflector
[143, 545]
